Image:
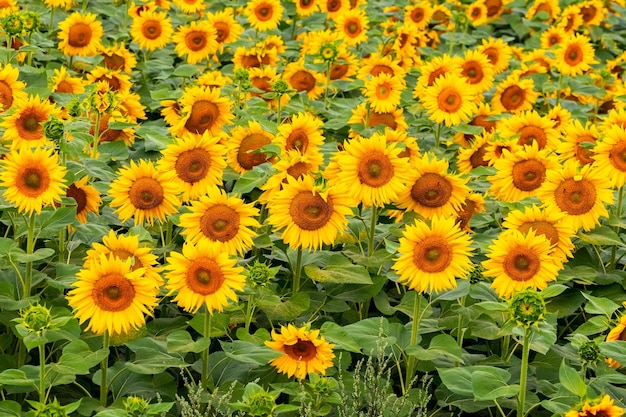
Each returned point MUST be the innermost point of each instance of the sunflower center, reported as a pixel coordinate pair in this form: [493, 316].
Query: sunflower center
[492, 54]
[338, 71]
[521, 264]
[449, 100]
[151, 29]
[202, 117]
[434, 75]
[196, 40]
[573, 55]
[204, 276]
[575, 197]
[512, 97]
[193, 165]
[473, 72]
[146, 193]
[542, 228]
[222, 30]
[298, 170]
[305, 3]
[303, 80]
[493, 7]
[375, 170]
[431, 190]
[220, 223]
[432, 254]
[28, 125]
[79, 195]
[530, 134]
[113, 292]
[385, 118]
[352, 28]
[588, 12]
[383, 91]
[333, 5]
[617, 156]
[246, 157]
[478, 157]
[417, 15]
[33, 181]
[113, 61]
[528, 175]
[310, 211]
[79, 35]
[585, 155]
[380, 69]
[302, 350]
[297, 139]
[263, 12]
[6, 96]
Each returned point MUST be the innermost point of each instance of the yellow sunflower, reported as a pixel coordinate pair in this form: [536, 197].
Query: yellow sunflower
[581, 193]
[128, 248]
[483, 115]
[308, 216]
[227, 29]
[198, 162]
[334, 8]
[498, 52]
[554, 35]
[302, 133]
[609, 156]
[304, 351]
[474, 203]
[111, 296]
[394, 119]
[352, 25]
[561, 117]
[306, 8]
[66, 4]
[615, 117]
[142, 192]
[477, 12]
[579, 142]
[118, 57]
[190, 6]
[600, 407]
[434, 69]
[196, 40]
[530, 127]
[226, 222]
[432, 190]
[80, 35]
[383, 92]
[293, 164]
[519, 261]
[301, 78]
[243, 145]
[117, 80]
[11, 90]
[593, 12]
[450, 100]
[86, 196]
[418, 15]
[24, 123]
[262, 79]
[202, 109]
[254, 57]
[152, 30]
[477, 70]
[514, 95]
[474, 155]
[570, 19]
[377, 64]
[549, 7]
[617, 333]
[213, 79]
[63, 82]
[203, 275]
[575, 56]
[433, 256]
[264, 15]
[372, 172]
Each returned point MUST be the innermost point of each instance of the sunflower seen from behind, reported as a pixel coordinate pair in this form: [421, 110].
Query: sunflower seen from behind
[203, 275]
[80, 35]
[433, 255]
[304, 351]
[32, 179]
[111, 296]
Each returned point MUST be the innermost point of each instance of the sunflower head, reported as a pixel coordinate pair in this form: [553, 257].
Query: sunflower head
[527, 308]
[36, 318]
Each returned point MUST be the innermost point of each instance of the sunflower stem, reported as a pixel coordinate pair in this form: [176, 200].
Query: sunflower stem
[205, 352]
[558, 90]
[438, 135]
[328, 67]
[250, 307]
[30, 247]
[96, 136]
[618, 214]
[297, 271]
[293, 26]
[372, 233]
[411, 363]
[50, 27]
[523, 372]
[42, 374]
[104, 388]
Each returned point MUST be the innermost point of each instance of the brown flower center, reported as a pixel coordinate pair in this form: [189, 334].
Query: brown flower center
[528, 175]
[223, 31]
[204, 276]
[473, 71]
[192, 165]
[575, 197]
[417, 15]
[380, 69]
[302, 80]
[79, 195]
[435, 75]
[33, 181]
[617, 156]
[202, 117]
[220, 223]
[310, 211]
[512, 97]
[449, 100]
[431, 190]
[333, 5]
[585, 155]
[113, 292]
[297, 139]
[432, 254]
[478, 157]
[492, 54]
[541, 228]
[302, 350]
[79, 35]
[29, 124]
[338, 71]
[264, 12]
[113, 61]
[299, 169]
[146, 193]
[493, 7]
[151, 29]
[196, 40]
[375, 170]
[385, 118]
[573, 55]
[246, 157]
[521, 264]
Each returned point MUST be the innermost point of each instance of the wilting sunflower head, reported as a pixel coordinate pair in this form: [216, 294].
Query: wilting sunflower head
[527, 308]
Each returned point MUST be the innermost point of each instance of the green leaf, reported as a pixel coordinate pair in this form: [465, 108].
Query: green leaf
[52, 221]
[370, 333]
[15, 377]
[181, 341]
[571, 380]
[458, 380]
[339, 270]
[156, 136]
[150, 362]
[336, 334]
[219, 324]
[38, 255]
[116, 150]
[251, 179]
[553, 290]
[597, 305]
[615, 350]
[491, 384]
[249, 353]
[185, 70]
[600, 236]
[288, 310]
[10, 409]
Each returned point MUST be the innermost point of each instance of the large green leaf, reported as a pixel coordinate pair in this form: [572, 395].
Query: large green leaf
[491, 384]
[181, 341]
[338, 335]
[249, 352]
[287, 310]
[338, 270]
[150, 362]
[571, 380]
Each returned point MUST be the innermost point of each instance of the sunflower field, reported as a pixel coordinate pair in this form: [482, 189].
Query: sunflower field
[312, 208]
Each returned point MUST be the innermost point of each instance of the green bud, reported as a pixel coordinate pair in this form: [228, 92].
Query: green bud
[13, 24]
[527, 308]
[135, 406]
[53, 409]
[30, 21]
[36, 318]
[261, 404]
[328, 52]
[280, 87]
[260, 274]
[589, 352]
[53, 129]
[74, 108]
[242, 74]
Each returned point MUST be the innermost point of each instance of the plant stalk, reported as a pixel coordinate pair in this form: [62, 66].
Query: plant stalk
[104, 388]
[297, 272]
[42, 374]
[523, 372]
[30, 248]
[205, 352]
[411, 363]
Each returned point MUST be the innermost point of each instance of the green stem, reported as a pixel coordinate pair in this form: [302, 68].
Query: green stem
[205, 352]
[328, 67]
[618, 215]
[250, 307]
[523, 372]
[372, 233]
[42, 374]
[96, 137]
[104, 365]
[293, 27]
[297, 272]
[558, 90]
[438, 135]
[50, 27]
[410, 367]
[30, 248]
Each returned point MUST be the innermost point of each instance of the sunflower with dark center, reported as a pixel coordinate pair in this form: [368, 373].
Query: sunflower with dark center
[264, 15]
[80, 35]
[201, 109]
[86, 196]
[304, 351]
[196, 41]
[609, 155]
[24, 124]
[152, 30]
[575, 56]
[449, 101]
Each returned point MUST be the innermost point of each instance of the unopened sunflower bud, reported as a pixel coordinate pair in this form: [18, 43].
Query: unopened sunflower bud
[36, 318]
[53, 129]
[280, 87]
[135, 406]
[13, 24]
[328, 52]
[527, 308]
[30, 21]
[260, 274]
[589, 352]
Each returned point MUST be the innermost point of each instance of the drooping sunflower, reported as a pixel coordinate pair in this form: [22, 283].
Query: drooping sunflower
[372, 172]
[227, 29]
[24, 123]
[32, 178]
[80, 35]
[498, 52]
[293, 164]
[203, 275]
[264, 15]
[242, 144]
[578, 192]
[63, 82]
[111, 296]
[128, 248]
[304, 351]
[450, 100]
[609, 156]
[433, 256]
[190, 6]
[394, 119]
[226, 222]
[86, 196]
[575, 56]
[477, 70]
[303, 133]
[531, 127]
[578, 141]
[618, 332]
[152, 30]
[301, 78]
[196, 40]
[514, 95]
[519, 261]
[142, 192]
[308, 216]
[11, 90]
[432, 190]
[352, 25]
[197, 161]
[383, 92]
[202, 109]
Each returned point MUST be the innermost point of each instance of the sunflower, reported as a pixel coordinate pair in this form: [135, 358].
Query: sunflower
[111, 296]
[411, 148]
[579, 142]
[383, 92]
[308, 215]
[531, 127]
[519, 261]
[254, 57]
[152, 30]
[474, 155]
[418, 15]
[477, 12]
[66, 4]
[570, 19]
[203, 275]
[306, 8]
[293, 164]
[303, 133]
[372, 172]
[243, 147]
[227, 29]
[377, 64]
[433, 256]
[345, 67]
[301, 78]
[554, 35]
[202, 109]
[575, 55]
[80, 35]
[514, 95]
[581, 193]
[617, 333]
[600, 407]
[352, 26]
[264, 15]
[550, 8]
[609, 156]
[11, 90]
[197, 40]
[394, 119]
[593, 12]
[474, 203]
[561, 117]
[498, 52]
[63, 82]
[262, 79]
[432, 190]
[334, 8]
[190, 6]
[483, 115]
[615, 117]
[477, 70]
[142, 192]
[450, 100]
[33, 179]
[226, 222]
[495, 8]
[24, 123]
[213, 79]
[86, 196]
[431, 71]
[197, 161]
[117, 80]
[128, 248]
[118, 57]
